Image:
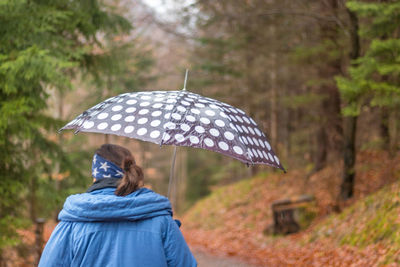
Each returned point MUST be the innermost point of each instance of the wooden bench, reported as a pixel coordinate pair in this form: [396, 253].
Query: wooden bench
[284, 214]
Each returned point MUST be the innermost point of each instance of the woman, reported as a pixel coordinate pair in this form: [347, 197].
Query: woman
[116, 222]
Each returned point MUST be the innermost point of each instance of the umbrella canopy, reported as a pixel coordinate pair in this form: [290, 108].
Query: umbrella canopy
[180, 118]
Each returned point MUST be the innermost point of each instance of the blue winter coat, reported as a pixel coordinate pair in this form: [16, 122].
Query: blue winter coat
[102, 229]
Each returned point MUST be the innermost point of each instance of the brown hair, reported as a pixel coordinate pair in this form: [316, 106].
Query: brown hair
[133, 174]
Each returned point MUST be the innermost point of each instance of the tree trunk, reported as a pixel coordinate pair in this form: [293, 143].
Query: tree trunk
[350, 124]
[349, 158]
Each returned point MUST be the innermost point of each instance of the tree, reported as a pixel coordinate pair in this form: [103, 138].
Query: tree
[373, 78]
[43, 45]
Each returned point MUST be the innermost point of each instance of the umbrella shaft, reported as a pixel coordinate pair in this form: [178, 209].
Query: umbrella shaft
[171, 175]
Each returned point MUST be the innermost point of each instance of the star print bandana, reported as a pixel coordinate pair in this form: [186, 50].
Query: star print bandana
[102, 168]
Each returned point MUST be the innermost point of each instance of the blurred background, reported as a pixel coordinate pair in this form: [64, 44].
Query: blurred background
[320, 77]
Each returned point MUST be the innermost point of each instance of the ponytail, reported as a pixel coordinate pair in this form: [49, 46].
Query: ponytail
[133, 177]
[133, 174]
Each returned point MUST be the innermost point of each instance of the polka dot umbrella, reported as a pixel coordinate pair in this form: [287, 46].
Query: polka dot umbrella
[180, 118]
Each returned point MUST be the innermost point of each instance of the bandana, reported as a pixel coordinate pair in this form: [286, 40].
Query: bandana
[102, 168]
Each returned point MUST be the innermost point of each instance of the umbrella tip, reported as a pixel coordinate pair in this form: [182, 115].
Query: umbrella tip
[184, 83]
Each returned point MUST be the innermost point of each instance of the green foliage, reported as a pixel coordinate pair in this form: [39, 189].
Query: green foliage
[374, 76]
[43, 44]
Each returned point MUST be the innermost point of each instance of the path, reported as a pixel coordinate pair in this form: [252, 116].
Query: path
[205, 259]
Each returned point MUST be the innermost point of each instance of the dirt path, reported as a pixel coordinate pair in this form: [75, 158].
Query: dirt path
[205, 259]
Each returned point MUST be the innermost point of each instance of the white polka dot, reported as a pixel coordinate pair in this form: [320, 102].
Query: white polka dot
[158, 99]
[116, 108]
[241, 111]
[169, 125]
[169, 107]
[214, 132]
[238, 150]
[233, 110]
[142, 120]
[116, 117]
[239, 128]
[167, 116]
[251, 130]
[233, 118]
[261, 143]
[250, 140]
[245, 129]
[176, 116]
[179, 137]
[253, 122]
[259, 153]
[102, 126]
[131, 101]
[267, 145]
[142, 131]
[199, 105]
[102, 116]
[220, 123]
[245, 140]
[258, 132]
[270, 157]
[276, 159]
[156, 113]
[169, 101]
[250, 153]
[255, 141]
[195, 111]
[88, 124]
[189, 99]
[233, 127]
[166, 137]
[210, 112]
[199, 129]
[254, 152]
[155, 134]
[157, 105]
[129, 118]
[239, 119]
[205, 120]
[185, 127]
[183, 102]
[130, 110]
[145, 97]
[194, 139]
[213, 106]
[229, 135]
[223, 145]
[115, 127]
[223, 114]
[265, 155]
[155, 123]
[144, 104]
[246, 119]
[208, 142]
[129, 129]
[181, 108]
[190, 118]
[143, 111]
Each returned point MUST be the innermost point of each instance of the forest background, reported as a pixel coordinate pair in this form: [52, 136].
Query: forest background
[321, 78]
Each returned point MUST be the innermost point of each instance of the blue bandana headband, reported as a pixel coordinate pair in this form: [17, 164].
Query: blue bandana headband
[102, 168]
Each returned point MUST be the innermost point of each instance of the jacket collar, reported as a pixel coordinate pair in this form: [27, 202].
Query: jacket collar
[104, 183]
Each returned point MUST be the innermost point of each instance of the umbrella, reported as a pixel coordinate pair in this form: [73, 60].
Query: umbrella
[180, 118]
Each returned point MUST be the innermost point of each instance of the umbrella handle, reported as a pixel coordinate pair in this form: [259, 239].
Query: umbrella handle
[171, 175]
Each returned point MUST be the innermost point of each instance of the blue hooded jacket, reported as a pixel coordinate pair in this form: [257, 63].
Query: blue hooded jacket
[102, 229]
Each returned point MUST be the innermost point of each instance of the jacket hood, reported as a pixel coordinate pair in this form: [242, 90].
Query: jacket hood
[103, 205]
